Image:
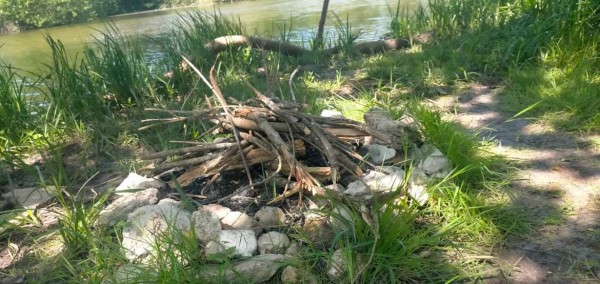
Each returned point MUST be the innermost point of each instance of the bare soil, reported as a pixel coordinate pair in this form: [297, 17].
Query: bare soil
[557, 184]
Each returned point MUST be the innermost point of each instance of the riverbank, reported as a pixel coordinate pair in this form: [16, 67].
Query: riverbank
[514, 115]
[14, 20]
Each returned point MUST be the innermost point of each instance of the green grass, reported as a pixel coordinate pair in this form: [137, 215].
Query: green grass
[543, 51]
[99, 97]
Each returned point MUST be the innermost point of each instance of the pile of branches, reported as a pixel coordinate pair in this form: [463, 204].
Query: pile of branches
[269, 132]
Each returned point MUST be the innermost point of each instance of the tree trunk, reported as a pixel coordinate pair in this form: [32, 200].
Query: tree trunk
[319, 39]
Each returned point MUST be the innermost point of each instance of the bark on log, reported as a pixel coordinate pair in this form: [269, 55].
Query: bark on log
[221, 43]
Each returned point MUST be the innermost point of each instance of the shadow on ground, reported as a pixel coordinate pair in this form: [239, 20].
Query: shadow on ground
[557, 181]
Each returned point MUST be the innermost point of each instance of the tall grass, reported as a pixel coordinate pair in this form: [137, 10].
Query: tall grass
[17, 124]
[71, 93]
[193, 30]
[119, 70]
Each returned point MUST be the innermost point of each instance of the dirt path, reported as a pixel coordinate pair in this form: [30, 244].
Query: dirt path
[558, 184]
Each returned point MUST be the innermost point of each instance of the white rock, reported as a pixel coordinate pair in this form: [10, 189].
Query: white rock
[120, 208]
[273, 242]
[435, 164]
[291, 274]
[341, 218]
[317, 229]
[132, 273]
[398, 132]
[382, 182]
[335, 187]
[31, 197]
[331, 113]
[135, 182]
[239, 242]
[206, 225]
[218, 209]
[379, 154]
[237, 220]
[357, 188]
[377, 182]
[418, 193]
[147, 227]
[418, 176]
[258, 269]
[292, 249]
[269, 216]
[337, 266]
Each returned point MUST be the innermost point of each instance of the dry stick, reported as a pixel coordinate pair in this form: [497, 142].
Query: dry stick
[290, 82]
[162, 122]
[282, 127]
[301, 175]
[373, 223]
[176, 111]
[329, 152]
[347, 123]
[217, 92]
[184, 163]
[210, 182]
[185, 150]
[273, 106]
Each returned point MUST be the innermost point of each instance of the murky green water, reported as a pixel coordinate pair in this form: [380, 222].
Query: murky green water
[28, 50]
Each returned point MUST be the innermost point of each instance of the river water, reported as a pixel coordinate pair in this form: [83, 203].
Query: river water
[29, 51]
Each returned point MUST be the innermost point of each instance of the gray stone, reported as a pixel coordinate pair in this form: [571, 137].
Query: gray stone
[206, 225]
[377, 182]
[31, 197]
[270, 217]
[236, 220]
[273, 242]
[436, 164]
[233, 243]
[218, 209]
[258, 269]
[132, 273]
[338, 266]
[147, 227]
[384, 182]
[317, 229]
[341, 218]
[134, 182]
[331, 113]
[379, 154]
[292, 249]
[4, 205]
[418, 176]
[399, 133]
[119, 209]
[357, 188]
[418, 193]
[335, 187]
[291, 274]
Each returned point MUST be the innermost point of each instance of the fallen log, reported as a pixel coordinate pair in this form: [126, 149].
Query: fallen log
[222, 43]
